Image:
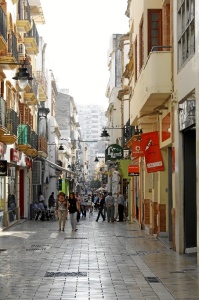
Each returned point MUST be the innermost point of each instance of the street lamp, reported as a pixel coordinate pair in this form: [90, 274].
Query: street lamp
[22, 75]
[97, 158]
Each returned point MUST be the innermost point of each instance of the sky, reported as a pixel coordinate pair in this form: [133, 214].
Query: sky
[77, 33]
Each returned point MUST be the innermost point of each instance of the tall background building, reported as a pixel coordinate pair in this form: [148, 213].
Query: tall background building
[92, 119]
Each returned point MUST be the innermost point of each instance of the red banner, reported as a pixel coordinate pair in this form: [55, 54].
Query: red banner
[153, 155]
[137, 149]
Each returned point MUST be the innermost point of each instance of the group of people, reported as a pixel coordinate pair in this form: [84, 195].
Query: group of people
[64, 205]
[106, 207]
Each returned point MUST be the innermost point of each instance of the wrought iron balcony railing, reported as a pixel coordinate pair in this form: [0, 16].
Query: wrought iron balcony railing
[33, 33]
[2, 112]
[34, 140]
[23, 10]
[12, 121]
[12, 46]
[3, 27]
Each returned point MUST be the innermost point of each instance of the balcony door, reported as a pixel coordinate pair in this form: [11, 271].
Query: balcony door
[154, 28]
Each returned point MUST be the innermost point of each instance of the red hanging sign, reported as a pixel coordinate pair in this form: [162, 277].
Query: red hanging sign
[152, 152]
[137, 149]
[14, 155]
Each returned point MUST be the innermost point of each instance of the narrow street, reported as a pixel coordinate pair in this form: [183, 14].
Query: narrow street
[100, 261]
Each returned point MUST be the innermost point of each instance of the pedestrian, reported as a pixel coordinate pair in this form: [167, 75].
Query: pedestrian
[105, 209]
[109, 200]
[73, 208]
[61, 210]
[41, 197]
[101, 207]
[79, 205]
[121, 203]
[96, 201]
[51, 200]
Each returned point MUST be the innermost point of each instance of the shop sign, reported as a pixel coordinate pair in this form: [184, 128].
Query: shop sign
[152, 152]
[28, 162]
[133, 168]
[3, 167]
[14, 155]
[113, 152]
[1, 149]
[137, 149]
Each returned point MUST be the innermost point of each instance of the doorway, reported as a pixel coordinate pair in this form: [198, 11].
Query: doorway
[190, 213]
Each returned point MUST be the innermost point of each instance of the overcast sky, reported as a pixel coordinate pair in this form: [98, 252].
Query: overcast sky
[77, 36]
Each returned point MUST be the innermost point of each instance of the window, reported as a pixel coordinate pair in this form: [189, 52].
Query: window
[141, 44]
[186, 30]
[154, 28]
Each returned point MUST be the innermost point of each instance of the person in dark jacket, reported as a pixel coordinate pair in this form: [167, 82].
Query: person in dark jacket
[101, 207]
[73, 208]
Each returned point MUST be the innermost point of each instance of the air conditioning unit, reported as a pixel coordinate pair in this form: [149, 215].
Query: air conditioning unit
[21, 51]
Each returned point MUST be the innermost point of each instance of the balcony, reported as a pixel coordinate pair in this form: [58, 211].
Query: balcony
[33, 151]
[31, 40]
[31, 93]
[3, 30]
[154, 84]
[11, 125]
[37, 11]
[3, 128]
[42, 146]
[24, 137]
[42, 86]
[23, 22]
[10, 53]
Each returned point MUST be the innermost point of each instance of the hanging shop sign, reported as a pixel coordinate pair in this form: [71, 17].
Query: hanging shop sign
[14, 155]
[133, 168]
[3, 167]
[28, 162]
[137, 149]
[113, 152]
[152, 152]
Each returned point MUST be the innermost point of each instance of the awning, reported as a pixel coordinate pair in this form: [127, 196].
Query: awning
[57, 167]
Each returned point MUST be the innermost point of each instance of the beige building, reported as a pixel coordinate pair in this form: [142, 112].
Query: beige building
[163, 88]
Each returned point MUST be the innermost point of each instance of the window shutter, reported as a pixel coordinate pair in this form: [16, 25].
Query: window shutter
[36, 173]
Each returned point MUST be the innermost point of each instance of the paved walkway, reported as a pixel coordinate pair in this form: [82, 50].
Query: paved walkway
[100, 261]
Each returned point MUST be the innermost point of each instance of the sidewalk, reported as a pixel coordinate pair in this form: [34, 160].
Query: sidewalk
[100, 261]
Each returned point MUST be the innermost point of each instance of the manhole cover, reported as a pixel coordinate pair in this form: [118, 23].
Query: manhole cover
[152, 279]
[177, 272]
[65, 274]
[75, 238]
[37, 248]
[147, 252]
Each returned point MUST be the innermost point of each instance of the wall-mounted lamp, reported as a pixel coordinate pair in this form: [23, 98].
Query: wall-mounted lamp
[61, 147]
[22, 75]
[105, 133]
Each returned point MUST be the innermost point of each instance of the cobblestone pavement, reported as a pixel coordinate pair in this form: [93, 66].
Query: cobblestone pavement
[100, 261]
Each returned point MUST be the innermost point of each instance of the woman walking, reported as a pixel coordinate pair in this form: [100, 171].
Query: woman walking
[61, 210]
[73, 207]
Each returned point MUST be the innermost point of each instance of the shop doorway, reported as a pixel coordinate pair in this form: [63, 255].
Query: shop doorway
[190, 217]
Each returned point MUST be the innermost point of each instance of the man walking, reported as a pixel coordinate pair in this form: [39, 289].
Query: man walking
[120, 206]
[109, 200]
[101, 207]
